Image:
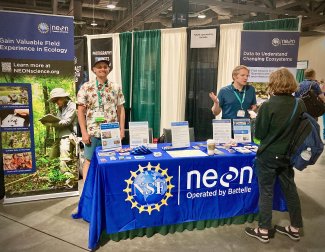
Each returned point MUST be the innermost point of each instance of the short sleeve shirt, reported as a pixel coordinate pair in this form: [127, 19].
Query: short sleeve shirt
[230, 104]
[112, 96]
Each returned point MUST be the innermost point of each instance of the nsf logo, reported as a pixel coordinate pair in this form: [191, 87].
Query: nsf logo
[276, 42]
[43, 28]
[148, 188]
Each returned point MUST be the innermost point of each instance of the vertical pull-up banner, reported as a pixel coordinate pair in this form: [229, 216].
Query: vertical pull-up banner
[38, 149]
[265, 51]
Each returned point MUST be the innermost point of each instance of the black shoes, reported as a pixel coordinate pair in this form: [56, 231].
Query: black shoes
[265, 238]
[292, 235]
[262, 237]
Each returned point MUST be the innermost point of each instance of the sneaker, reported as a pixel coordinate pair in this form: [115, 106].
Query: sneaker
[262, 237]
[287, 231]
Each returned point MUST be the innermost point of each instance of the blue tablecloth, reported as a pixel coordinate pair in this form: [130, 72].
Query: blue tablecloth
[121, 195]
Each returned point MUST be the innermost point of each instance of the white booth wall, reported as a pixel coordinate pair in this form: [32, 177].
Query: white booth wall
[313, 50]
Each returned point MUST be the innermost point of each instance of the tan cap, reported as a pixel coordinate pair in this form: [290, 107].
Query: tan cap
[57, 93]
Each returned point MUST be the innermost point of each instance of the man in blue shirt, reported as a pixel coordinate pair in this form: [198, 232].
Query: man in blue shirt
[236, 99]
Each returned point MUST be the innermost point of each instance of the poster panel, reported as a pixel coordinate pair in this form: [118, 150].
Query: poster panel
[101, 48]
[38, 49]
[265, 51]
[16, 128]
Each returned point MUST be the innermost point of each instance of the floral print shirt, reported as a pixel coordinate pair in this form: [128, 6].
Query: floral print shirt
[112, 97]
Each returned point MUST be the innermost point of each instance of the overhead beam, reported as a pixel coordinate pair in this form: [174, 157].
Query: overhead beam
[304, 6]
[156, 12]
[143, 7]
[26, 7]
[246, 7]
[320, 8]
[269, 3]
[287, 6]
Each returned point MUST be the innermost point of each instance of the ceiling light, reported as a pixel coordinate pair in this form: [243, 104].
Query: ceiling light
[201, 15]
[111, 6]
[93, 23]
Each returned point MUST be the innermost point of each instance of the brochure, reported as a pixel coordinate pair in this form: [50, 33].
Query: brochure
[242, 130]
[221, 130]
[180, 134]
[139, 134]
[110, 133]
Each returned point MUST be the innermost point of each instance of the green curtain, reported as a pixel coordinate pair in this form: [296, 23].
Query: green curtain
[146, 79]
[125, 54]
[126, 64]
[170, 229]
[300, 75]
[288, 24]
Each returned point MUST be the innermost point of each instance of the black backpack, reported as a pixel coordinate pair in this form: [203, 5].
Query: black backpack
[315, 106]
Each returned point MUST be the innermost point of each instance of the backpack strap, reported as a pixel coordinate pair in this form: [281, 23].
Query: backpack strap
[283, 130]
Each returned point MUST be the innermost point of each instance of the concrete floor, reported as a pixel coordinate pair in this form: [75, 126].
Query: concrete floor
[47, 226]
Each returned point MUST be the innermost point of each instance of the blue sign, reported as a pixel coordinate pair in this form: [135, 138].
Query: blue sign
[269, 49]
[265, 51]
[48, 37]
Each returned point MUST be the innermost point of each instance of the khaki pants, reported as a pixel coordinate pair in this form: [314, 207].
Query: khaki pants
[61, 148]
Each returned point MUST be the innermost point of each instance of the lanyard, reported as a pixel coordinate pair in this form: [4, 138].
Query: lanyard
[99, 93]
[241, 101]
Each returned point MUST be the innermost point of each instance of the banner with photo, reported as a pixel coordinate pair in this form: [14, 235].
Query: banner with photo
[38, 148]
[264, 52]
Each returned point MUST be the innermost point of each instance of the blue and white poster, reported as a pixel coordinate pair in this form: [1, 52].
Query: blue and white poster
[16, 128]
[39, 50]
[265, 51]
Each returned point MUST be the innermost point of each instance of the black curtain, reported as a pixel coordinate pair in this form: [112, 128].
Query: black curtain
[80, 65]
[202, 69]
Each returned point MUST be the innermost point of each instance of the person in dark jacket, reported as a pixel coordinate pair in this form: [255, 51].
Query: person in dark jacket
[270, 164]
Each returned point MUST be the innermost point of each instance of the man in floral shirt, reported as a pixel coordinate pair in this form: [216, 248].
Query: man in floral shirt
[99, 101]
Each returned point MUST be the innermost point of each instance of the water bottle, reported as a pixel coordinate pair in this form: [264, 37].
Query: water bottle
[306, 154]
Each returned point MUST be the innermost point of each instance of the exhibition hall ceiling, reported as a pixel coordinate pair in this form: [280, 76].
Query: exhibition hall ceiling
[95, 16]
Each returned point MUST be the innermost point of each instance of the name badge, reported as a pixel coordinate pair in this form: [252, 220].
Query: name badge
[99, 116]
[241, 113]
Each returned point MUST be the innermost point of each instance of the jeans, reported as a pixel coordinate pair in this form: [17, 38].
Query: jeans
[268, 169]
